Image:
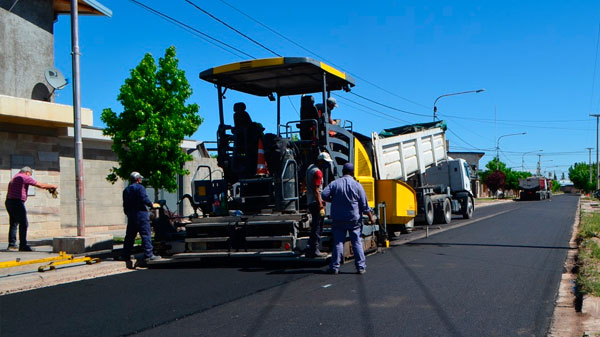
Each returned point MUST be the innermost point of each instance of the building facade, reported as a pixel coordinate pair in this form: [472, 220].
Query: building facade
[472, 159]
[38, 133]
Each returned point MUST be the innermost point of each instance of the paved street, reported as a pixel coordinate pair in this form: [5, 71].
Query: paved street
[494, 277]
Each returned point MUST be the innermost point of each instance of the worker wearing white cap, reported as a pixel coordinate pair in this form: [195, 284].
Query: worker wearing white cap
[316, 206]
[135, 201]
[331, 104]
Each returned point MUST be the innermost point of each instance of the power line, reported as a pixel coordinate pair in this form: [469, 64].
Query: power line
[190, 29]
[232, 28]
[464, 141]
[389, 117]
[319, 56]
[387, 106]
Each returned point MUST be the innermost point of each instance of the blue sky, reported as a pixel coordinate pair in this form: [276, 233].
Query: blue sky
[536, 61]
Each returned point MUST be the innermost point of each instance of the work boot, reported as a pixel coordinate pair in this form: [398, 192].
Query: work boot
[25, 249]
[361, 271]
[332, 271]
[129, 264]
[315, 255]
[12, 248]
[154, 258]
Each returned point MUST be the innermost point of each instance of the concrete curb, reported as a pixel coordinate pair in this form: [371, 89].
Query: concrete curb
[35, 280]
[566, 321]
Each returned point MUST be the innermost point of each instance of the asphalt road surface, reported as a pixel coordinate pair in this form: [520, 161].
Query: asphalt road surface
[497, 276]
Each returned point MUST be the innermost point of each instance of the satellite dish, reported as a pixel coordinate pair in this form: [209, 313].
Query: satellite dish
[55, 78]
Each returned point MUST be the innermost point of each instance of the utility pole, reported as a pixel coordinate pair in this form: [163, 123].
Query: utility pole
[597, 166]
[590, 161]
[539, 166]
[79, 194]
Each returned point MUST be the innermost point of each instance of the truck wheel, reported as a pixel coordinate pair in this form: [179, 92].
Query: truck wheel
[446, 215]
[428, 211]
[469, 208]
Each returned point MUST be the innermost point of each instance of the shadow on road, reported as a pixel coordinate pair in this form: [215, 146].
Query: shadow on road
[435, 305]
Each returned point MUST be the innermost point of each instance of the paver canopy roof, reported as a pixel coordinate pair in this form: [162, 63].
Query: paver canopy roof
[281, 75]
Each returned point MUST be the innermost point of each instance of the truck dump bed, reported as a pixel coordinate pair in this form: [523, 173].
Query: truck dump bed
[402, 156]
[532, 184]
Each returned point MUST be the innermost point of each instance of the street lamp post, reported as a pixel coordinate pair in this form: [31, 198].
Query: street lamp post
[452, 94]
[540, 165]
[498, 146]
[523, 159]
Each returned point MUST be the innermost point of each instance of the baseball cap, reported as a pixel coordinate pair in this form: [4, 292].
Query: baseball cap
[324, 156]
[332, 101]
[134, 176]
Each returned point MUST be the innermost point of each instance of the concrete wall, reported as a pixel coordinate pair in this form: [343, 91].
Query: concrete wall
[54, 164]
[103, 200]
[26, 48]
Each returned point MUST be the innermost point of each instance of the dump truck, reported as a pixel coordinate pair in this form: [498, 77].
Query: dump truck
[257, 207]
[417, 155]
[535, 188]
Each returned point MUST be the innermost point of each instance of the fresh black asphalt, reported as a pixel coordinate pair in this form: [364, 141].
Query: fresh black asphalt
[494, 277]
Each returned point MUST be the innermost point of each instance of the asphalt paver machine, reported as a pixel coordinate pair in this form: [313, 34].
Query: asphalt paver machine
[258, 208]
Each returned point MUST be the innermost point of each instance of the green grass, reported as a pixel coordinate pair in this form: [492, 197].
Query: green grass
[588, 277]
[118, 240]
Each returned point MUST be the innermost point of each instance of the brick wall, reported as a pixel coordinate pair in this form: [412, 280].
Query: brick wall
[54, 164]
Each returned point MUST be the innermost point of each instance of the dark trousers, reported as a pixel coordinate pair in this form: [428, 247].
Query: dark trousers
[17, 217]
[137, 222]
[316, 229]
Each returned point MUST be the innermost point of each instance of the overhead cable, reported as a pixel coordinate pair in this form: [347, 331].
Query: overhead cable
[202, 35]
[232, 28]
[319, 56]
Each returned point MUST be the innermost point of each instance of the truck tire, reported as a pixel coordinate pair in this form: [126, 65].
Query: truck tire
[445, 212]
[428, 216]
[469, 208]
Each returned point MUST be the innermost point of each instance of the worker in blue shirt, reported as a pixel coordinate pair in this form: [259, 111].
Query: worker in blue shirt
[348, 203]
[135, 201]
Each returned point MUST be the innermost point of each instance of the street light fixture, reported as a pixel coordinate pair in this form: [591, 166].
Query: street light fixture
[452, 94]
[523, 158]
[498, 146]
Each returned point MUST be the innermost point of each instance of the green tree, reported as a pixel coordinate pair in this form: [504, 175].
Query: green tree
[155, 119]
[491, 167]
[512, 178]
[555, 186]
[579, 174]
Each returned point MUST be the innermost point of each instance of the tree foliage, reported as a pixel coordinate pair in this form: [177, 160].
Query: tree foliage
[495, 181]
[147, 134]
[510, 178]
[555, 186]
[579, 174]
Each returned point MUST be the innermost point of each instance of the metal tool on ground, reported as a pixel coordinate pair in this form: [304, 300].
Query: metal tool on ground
[62, 259]
[52, 265]
[18, 262]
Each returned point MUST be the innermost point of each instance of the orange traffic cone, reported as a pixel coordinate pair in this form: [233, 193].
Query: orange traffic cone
[261, 163]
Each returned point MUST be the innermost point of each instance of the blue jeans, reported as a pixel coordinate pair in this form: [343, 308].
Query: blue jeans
[137, 222]
[354, 229]
[17, 217]
[316, 229]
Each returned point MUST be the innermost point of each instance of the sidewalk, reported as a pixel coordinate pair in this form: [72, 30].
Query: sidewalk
[27, 277]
